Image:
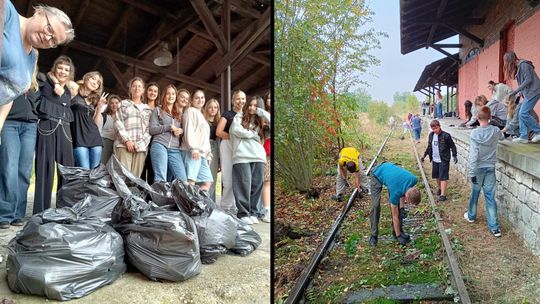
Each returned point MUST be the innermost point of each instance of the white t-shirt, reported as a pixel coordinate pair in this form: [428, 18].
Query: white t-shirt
[435, 148]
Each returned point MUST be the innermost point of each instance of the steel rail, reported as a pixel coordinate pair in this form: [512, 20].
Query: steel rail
[296, 293]
[454, 266]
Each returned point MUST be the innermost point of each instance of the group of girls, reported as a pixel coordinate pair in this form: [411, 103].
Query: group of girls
[158, 135]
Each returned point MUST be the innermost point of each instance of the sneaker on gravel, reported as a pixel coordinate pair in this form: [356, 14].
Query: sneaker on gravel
[496, 233]
[466, 217]
[536, 138]
[520, 140]
[4, 225]
[254, 219]
[247, 220]
[442, 198]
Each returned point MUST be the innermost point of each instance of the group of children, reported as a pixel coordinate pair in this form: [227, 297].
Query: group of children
[440, 150]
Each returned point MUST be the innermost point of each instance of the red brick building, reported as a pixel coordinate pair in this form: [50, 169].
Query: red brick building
[486, 29]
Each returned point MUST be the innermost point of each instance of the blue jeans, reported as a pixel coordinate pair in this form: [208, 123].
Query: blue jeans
[165, 159]
[526, 121]
[197, 170]
[87, 157]
[16, 156]
[485, 180]
[439, 110]
[417, 133]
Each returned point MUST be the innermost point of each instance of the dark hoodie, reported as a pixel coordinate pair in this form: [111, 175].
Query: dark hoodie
[529, 83]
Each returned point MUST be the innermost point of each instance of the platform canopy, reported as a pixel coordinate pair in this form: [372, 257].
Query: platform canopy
[443, 72]
[120, 39]
[424, 23]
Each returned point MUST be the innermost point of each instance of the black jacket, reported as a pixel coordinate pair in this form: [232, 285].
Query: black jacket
[445, 145]
[24, 107]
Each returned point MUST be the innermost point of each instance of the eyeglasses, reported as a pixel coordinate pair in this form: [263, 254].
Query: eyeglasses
[49, 31]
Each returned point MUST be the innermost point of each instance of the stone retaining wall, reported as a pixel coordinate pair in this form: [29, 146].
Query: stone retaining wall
[518, 193]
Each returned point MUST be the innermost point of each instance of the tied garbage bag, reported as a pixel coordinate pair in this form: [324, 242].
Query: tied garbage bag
[191, 199]
[247, 239]
[62, 255]
[81, 182]
[97, 207]
[161, 244]
[162, 196]
[217, 232]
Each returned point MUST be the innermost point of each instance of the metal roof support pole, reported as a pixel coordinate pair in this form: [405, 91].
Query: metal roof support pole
[226, 74]
[447, 99]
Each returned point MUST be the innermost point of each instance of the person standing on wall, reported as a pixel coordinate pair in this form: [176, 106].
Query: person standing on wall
[529, 87]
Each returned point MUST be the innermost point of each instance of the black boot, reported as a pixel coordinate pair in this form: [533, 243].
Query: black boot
[373, 240]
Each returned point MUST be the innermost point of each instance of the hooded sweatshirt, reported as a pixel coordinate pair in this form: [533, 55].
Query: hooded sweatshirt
[497, 109]
[483, 148]
[529, 84]
[246, 144]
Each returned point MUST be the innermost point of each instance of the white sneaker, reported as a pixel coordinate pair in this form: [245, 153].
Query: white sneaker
[520, 140]
[254, 219]
[266, 218]
[466, 217]
[247, 220]
[536, 138]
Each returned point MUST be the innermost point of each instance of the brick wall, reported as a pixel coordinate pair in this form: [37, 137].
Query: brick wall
[474, 75]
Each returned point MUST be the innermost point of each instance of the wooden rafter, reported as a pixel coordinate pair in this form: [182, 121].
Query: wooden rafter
[435, 47]
[97, 51]
[151, 8]
[207, 18]
[240, 81]
[440, 10]
[116, 73]
[243, 9]
[77, 21]
[166, 28]
[201, 62]
[126, 14]
[246, 40]
[465, 33]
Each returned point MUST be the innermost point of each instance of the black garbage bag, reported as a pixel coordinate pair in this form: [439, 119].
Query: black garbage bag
[191, 199]
[63, 256]
[247, 239]
[100, 207]
[217, 232]
[127, 184]
[162, 196]
[162, 244]
[81, 182]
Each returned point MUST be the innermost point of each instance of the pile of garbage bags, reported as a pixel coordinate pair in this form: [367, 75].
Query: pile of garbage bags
[166, 231]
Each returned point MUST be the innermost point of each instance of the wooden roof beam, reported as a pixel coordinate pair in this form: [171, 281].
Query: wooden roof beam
[461, 21]
[246, 41]
[92, 49]
[448, 45]
[166, 28]
[126, 13]
[440, 10]
[463, 32]
[435, 47]
[201, 62]
[117, 74]
[243, 9]
[76, 22]
[239, 83]
[210, 24]
[151, 8]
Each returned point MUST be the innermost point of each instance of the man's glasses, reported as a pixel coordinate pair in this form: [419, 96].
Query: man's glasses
[49, 31]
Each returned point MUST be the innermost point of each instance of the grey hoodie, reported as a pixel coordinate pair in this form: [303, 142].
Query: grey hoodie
[483, 148]
[529, 84]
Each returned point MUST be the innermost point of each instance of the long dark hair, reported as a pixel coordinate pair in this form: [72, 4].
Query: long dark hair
[468, 106]
[510, 66]
[253, 118]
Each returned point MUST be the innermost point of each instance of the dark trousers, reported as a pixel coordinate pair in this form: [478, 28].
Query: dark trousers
[247, 187]
[376, 189]
[53, 144]
[148, 171]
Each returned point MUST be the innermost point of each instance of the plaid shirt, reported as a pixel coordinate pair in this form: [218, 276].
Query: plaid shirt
[132, 122]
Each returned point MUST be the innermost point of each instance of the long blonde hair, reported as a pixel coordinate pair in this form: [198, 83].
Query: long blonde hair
[92, 96]
[510, 66]
[217, 117]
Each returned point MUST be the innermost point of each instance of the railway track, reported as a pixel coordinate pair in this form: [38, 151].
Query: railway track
[297, 293]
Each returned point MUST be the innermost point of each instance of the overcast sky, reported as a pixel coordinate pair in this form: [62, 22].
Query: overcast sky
[397, 72]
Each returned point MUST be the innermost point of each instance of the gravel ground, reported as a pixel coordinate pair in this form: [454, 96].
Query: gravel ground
[232, 279]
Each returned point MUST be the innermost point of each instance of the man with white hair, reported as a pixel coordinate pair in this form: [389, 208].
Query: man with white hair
[47, 28]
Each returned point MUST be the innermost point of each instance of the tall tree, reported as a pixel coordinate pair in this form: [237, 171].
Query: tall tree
[321, 49]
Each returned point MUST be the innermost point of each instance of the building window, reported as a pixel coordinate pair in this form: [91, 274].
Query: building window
[471, 54]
